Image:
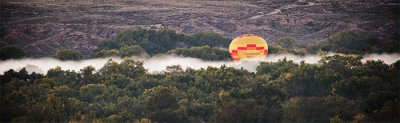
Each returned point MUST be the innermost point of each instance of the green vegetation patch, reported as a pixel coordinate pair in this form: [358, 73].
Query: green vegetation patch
[160, 41]
[68, 54]
[11, 52]
[338, 89]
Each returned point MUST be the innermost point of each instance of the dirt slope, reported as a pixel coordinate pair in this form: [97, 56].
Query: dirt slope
[44, 26]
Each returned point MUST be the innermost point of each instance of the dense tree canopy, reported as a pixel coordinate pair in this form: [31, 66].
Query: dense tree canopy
[338, 89]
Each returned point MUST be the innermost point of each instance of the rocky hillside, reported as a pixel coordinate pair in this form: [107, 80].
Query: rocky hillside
[41, 27]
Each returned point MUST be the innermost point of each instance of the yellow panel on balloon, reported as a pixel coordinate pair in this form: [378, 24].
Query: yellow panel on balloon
[248, 46]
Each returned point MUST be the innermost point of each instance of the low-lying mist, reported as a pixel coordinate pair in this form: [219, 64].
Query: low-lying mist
[159, 63]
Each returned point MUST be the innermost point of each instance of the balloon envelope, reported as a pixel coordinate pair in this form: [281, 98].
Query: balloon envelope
[248, 46]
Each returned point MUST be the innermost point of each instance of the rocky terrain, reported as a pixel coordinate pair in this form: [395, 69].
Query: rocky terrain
[41, 27]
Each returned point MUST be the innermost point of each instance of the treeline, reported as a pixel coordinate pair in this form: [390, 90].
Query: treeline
[354, 43]
[338, 89]
[203, 45]
[207, 45]
[160, 41]
[343, 42]
[212, 46]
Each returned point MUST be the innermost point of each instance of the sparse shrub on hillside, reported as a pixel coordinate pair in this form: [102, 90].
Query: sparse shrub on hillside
[68, 54]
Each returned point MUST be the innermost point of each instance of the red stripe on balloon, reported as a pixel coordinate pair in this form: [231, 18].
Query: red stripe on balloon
[242, 48]
[251, 45]
[236, 59]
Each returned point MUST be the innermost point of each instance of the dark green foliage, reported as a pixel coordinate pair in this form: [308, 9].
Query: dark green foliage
[342, 64]
[274, 49]
[396, 65]
[160, 41]
[90, 92]
[309, 80]
[268, 94]
[70, 78]
[287, 43]
[11, 74]
[124, 51]
[151, 41]
[338, 89]
[275, 69]
[214, 79]
[128, 67]
[162, 106]
[11, 52]
[106, 53]
[245, 111]
[353, 43]
[349, 40]
[67, 54]
[376, 100]
[318, 109]
[315, 49]
[161, 98]
[134, 50]
[358, 87]
[203, 52]
[109, 45]
[390, 112]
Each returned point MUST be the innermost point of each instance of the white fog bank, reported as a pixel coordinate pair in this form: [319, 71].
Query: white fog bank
[157, 64]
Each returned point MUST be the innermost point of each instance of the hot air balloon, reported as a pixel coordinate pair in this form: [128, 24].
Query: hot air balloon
[248, 46]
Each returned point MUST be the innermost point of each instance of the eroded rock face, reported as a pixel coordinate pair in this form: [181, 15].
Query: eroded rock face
[42, 28]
